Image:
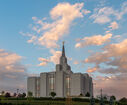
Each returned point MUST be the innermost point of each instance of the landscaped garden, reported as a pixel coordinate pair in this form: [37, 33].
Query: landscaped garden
[21, 99]
[50, 101]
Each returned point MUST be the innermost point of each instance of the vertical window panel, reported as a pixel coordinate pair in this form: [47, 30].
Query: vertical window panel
[51, 83]
[68, 86]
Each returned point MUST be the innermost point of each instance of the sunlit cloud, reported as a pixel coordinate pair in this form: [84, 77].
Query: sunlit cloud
[114, 56]
[93, 40]
[114, 25]
[86, 11]
[62, 16]
[54, 58]
[91, 70]
[103, 15]
[76, 62]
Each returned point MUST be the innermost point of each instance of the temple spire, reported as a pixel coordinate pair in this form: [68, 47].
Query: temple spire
[63, 50]
[63, 59]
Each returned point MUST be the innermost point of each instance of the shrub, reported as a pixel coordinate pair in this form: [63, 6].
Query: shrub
[123, 100]
[87, 94]
[53, 94]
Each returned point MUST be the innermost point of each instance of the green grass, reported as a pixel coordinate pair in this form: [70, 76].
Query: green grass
[39, 102]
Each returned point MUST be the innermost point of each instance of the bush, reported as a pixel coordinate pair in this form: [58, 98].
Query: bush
[81, 99]
[87, 94]
[53, 94]
[113, 97]
[123, 100]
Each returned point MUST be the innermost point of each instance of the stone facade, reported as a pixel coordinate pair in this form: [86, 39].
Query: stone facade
[63, 81]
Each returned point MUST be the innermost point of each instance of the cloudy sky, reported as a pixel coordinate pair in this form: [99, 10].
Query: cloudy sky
[95, 35]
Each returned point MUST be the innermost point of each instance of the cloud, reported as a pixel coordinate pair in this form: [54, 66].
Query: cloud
[48, 31]
[91, 70]
[117, 36]
[93, 40]
[62, 16]
[114, 56]
[54, 58]
[102, 15]
[12, 72]
[86, 11]
[105, 14]
[114, 25]
[123, 10]
[75, 62]
[43, 61]
[111, 85]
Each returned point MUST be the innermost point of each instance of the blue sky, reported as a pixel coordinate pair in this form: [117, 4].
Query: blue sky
[98, 28]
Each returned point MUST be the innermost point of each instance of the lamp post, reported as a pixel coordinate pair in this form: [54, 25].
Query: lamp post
[92, 101]
[17, 95]
[101, 100]
[111, 101]
[17, 92]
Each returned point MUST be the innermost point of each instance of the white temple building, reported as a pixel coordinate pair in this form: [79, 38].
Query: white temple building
[63, 81]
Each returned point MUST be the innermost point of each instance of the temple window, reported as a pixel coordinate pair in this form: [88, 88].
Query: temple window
[51, 83]
[68, 86]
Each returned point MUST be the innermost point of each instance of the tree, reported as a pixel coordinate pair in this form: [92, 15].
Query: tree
[105, 97]
[123, 100]
[2, 93]
[30, 94]
[113, 97]
[19, 95]
[111, 101]
[7, 94]
[87, 94]
[14, 95]
[53, 94]
[24, 95]
[81, 94]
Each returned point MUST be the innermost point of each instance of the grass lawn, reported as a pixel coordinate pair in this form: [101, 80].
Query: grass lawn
[39, 102]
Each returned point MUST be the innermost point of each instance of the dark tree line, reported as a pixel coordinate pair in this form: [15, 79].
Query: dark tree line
[7, 94]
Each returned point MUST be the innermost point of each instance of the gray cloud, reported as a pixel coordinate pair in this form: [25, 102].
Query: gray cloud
[112, 85]
[12, 73]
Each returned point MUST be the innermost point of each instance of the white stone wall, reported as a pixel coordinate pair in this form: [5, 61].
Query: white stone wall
[79, 83]
[43, 85]
[31, 85]
[75, 84]
[59, 84]
[86, 76]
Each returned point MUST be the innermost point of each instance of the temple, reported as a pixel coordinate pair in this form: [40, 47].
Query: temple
[63, 81]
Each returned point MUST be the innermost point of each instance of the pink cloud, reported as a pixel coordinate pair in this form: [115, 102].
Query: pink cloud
[54, 58]
[12, 72]
[111, 85]
[93, 40]
[103, 15]
[114, 25]
[62, 15]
